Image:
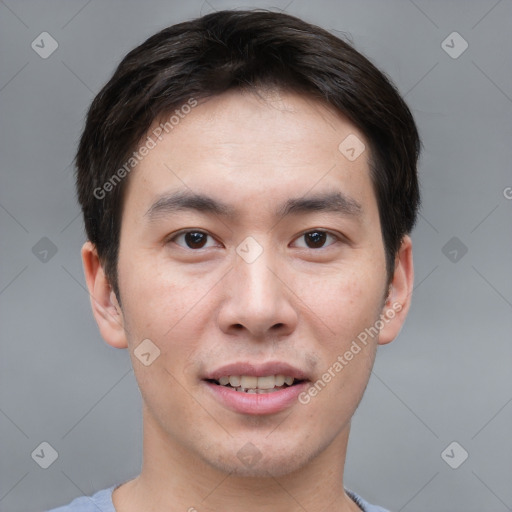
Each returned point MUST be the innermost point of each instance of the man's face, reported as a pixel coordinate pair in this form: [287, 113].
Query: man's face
[250, 287]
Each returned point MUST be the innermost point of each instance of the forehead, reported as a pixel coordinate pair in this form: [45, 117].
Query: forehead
[256, 127]
[241, 144]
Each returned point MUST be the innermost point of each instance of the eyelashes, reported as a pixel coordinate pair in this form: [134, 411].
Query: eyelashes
[195, 239]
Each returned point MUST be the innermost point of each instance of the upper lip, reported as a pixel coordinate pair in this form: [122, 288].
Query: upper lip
[257, 370]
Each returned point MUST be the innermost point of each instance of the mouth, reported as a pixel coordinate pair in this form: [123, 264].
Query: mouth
[256, 389]
[256, 385]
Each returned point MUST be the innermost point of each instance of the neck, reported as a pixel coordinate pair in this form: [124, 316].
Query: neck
[172, 477]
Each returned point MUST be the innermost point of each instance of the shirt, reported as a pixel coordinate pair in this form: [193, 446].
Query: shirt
[102, 502]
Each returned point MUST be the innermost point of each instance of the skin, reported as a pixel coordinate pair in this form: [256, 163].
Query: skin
[207, 307]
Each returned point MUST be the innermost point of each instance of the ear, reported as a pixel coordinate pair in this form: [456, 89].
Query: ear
[398, 301]
[105, 307]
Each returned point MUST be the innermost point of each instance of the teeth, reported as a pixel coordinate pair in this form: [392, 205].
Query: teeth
[280, 380]
[234, 380]
[252, 384]
[248, 382]
[266, 382]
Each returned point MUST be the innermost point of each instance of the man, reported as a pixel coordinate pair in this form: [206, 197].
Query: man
[248, 182]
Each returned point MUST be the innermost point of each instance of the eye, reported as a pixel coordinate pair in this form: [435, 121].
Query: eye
[316, 239]
[192, 238]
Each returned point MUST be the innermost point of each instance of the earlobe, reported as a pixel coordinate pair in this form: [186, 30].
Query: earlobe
[105, 307]
[398, 301]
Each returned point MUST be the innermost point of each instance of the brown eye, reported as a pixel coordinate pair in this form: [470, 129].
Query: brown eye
[195, 239]
[316, 239]
[192, 239]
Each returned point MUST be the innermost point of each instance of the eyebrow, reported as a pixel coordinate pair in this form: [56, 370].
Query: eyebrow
[331, 202]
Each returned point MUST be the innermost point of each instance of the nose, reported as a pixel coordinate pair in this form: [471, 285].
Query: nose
[258, 301]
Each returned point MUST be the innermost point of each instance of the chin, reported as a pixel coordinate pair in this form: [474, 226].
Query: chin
[251, 463]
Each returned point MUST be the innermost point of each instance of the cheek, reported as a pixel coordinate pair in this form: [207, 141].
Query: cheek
[156, 298]
[349, 306]
[342, 304]
[168, 307]
[161, 306]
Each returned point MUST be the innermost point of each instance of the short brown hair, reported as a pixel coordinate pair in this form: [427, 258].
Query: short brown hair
[244, 49]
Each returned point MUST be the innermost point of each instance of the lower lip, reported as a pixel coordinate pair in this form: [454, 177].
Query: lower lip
[253, 403]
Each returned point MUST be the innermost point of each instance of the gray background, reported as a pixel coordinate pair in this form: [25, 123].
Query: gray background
[446, 378]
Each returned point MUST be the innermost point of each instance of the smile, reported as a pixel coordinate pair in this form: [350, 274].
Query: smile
[256, 385]
[256, 388]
